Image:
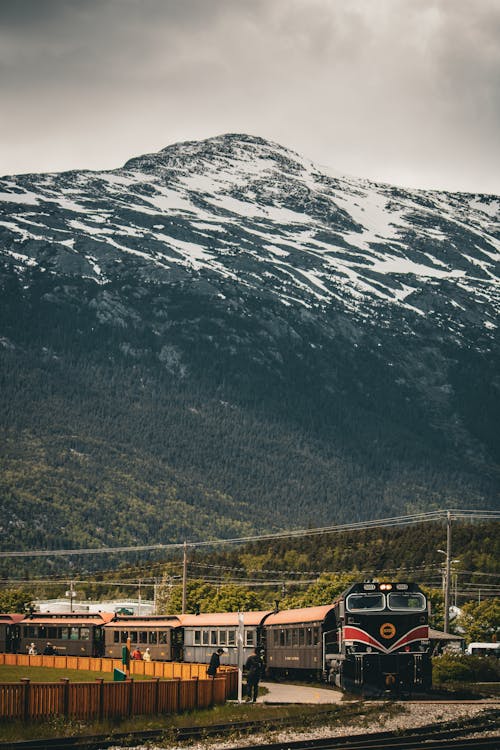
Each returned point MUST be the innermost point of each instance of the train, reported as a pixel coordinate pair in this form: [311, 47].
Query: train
[374, 636]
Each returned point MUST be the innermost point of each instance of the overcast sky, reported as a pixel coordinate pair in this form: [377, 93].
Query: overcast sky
[404, 91]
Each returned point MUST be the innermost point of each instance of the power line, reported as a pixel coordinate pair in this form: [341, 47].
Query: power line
[360, 525]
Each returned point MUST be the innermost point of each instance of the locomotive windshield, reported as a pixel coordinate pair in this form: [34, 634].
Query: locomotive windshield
[406, 600]
[365, 601]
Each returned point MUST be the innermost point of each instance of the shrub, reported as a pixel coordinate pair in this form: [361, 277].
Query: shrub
[462, 668]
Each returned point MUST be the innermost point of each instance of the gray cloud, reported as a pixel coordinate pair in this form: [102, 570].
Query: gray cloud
[405, 91]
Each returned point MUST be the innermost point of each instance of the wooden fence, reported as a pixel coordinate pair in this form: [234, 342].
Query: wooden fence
[187, 690]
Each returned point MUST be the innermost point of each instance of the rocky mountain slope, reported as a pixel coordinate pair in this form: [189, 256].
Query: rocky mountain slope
[307, 346]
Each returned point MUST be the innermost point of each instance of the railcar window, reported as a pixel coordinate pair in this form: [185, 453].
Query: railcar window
[116, 636]
[362, 602]
[85, 634]
[276, 637]
[316, 636]
[153, 637]
[309, 637]
[163, 636]
[406, 600]
[204, 637]
[295, 637]
[223, 637]
[143, 636]
[197, 637]
[231, 637]
[302, 636]
[282, 637]
[73, 634]
[249, 637]
[213, 637]
[133, 636]
[53, 633]
[124, 636]
[65, 634]
[31, 631]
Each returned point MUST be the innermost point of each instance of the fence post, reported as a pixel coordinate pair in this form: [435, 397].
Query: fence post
[179, 686]
[65, 682]
[26, 698]
[212, 700]
[131, 696]
[100, 682]
[157, 695]
[197, 691]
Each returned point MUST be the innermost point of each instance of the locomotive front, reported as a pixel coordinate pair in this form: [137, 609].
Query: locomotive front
[382, 639]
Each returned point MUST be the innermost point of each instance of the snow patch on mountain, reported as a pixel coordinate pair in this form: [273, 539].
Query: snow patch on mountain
[250, 212]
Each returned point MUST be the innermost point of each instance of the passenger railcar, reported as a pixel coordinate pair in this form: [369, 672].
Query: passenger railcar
[72, 634]
[380, 638]
[293, 644]
[162, 634]
[204, 633]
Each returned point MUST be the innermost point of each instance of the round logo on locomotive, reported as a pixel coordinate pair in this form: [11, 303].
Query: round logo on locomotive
[387, 630]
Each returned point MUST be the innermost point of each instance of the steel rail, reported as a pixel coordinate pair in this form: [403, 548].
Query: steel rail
[443, 734]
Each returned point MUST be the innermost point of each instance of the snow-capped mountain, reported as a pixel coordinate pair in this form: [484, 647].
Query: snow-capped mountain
[240, 210]
[293, 346]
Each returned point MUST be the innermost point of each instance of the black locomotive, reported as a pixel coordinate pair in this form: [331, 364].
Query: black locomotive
[379, 638]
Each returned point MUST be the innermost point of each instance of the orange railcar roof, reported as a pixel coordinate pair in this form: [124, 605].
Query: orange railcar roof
[11, 618]
[69, 619]
[221, 619]
[307, 614]
[155, 622]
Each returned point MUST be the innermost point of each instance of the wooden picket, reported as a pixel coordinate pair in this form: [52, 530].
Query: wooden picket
[173, 687]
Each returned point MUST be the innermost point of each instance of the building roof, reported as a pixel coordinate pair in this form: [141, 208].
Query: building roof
[439, 635]
[299, 616]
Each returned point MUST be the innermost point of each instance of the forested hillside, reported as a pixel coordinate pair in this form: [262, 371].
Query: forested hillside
[106, 455]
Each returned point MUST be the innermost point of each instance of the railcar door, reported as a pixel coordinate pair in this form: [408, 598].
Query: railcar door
[177, 641]
[98, 646]
[12, 639]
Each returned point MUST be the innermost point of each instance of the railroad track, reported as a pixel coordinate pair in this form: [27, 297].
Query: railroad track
[449, 735]
[430, 738]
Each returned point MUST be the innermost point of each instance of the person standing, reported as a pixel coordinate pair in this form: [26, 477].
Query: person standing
[254, 669]
[147, 655]
[214, 663]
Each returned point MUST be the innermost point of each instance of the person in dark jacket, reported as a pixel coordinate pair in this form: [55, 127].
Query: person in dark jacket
[254, 669]
[49, 650]
[214, 662]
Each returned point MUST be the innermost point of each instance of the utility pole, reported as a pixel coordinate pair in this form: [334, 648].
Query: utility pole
[184, 579]
[448, 574]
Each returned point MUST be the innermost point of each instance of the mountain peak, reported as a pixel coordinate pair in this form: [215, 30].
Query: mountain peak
[220, 150]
